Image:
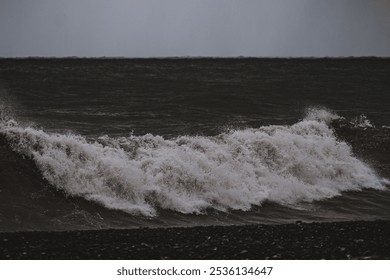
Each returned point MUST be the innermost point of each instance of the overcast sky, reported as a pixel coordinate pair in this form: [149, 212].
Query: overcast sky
[154, 28]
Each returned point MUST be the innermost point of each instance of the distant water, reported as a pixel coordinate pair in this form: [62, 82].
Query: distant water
[182, 142]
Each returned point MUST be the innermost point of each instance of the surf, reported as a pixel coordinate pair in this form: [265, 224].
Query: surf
[235, 170]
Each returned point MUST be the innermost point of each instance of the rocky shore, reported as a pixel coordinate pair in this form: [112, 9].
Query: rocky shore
[338, 240]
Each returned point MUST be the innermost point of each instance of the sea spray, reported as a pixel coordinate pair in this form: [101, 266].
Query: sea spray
[238, 169]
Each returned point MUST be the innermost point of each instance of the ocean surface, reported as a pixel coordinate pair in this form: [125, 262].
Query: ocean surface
[124, 143]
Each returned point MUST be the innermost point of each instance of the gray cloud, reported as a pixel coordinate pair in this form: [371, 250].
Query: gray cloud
[144, 28]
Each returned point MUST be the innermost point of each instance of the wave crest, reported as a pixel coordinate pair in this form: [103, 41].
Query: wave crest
[234, 170]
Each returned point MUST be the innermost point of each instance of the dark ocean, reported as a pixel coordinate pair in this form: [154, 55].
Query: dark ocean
[124, 143]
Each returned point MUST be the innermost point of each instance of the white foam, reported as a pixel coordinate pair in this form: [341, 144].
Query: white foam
[362, 121]
[235, 170]
[321, 115]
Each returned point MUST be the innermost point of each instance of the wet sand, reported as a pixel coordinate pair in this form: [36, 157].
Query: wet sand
[338, 240]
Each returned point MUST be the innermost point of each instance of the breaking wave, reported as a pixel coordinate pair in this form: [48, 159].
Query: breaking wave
[236, 170]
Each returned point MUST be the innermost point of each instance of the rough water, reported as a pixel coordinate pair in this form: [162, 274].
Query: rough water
[97, 143]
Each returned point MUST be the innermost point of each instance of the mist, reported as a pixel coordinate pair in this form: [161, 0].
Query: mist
[224, 28]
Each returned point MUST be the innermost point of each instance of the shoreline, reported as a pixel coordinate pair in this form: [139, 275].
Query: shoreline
[307, 241]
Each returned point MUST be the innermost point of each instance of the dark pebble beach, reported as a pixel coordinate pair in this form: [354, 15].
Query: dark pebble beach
[308, 241]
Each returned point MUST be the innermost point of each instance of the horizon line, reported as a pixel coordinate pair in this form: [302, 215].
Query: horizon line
[194, 57]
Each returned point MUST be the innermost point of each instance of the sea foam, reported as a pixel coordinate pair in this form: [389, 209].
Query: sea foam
[238, 169]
